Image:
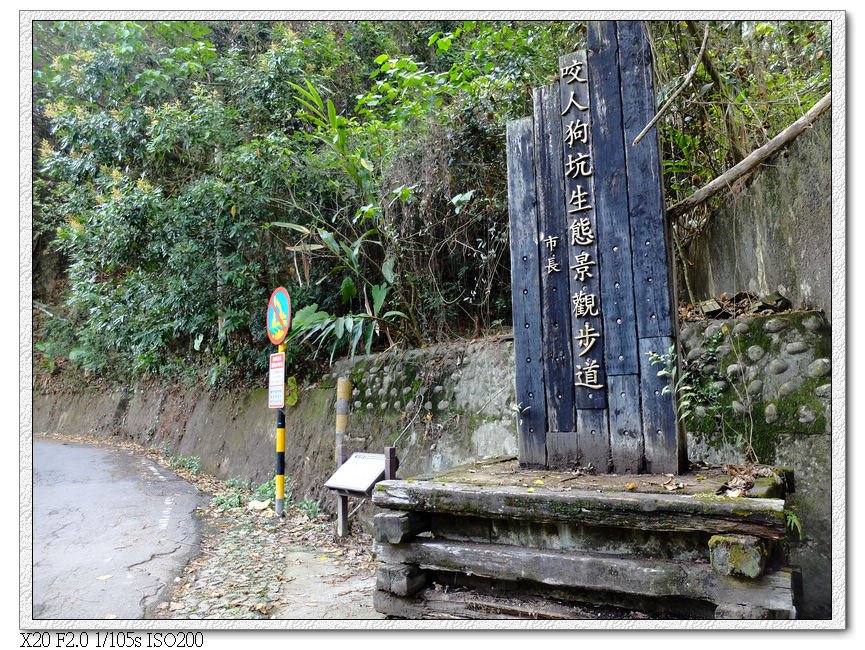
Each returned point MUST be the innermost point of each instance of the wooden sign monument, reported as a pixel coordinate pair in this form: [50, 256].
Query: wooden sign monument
[591, 273]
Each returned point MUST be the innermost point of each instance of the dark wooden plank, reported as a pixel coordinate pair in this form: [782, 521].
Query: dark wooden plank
[440, 604]
[593, 439]
[581, 231]
[562, 452]
[626, 427]
[555, 299]
[444, 604]
[400, 579]
[611, 203]
[649, 233]
[563, 536]
[660, 429]
[467, 529]
[599, 571]
[525, 293]
[644, 511]
[398, 526]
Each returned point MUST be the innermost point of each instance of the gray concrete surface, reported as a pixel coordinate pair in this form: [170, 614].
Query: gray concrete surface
[775, 232]
[111, 530]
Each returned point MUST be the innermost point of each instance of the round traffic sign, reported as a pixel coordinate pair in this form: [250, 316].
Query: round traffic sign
[278, 316]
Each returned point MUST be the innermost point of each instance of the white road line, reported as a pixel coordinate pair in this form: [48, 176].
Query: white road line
[166, 513]
[155, 471]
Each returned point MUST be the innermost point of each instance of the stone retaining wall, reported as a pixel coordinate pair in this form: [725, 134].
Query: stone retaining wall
[766, 381]
[442, 406]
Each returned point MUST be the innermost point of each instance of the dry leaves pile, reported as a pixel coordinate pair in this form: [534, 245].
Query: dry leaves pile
[740, 304]
[243, 563]
[742, 478]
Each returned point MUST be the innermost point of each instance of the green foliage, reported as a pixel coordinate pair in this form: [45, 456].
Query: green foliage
[793, 523]
[267, 491]
[191, 464]
[241, 491]
[227, 500]
[681, 382]
[310, 507]
[185, 169]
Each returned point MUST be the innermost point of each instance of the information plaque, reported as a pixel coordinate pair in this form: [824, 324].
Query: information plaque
[358, 474]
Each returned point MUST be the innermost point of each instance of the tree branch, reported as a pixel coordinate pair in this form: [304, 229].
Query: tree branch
[753, 160]
[733, 129]
[44, 309]
[687, 80]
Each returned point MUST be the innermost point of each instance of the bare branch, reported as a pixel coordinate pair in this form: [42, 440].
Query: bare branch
[44, 309]
[753, 160]
[687, 80]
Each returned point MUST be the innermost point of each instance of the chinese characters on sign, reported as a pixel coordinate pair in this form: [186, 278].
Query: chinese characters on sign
[580, 223]
[592, 285]
[276, 381]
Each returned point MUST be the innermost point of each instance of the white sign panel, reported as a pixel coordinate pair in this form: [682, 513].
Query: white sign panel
[358, 474]
[276, 383]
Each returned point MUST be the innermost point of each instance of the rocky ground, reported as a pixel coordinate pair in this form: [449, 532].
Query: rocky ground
[254, 565]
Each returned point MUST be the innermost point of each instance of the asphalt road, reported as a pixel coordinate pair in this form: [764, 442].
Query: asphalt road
[111, 531]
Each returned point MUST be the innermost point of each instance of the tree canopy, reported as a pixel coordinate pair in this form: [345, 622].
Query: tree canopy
[184, 169]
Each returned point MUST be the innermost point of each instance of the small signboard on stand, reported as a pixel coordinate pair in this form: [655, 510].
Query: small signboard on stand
[358, 475]
[276, 381]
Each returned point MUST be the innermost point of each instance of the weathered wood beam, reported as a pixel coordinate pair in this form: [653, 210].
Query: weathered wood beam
[753, 160]
[432, 604]
[611, 573]
[397, 527]
[401, 579]
[667, 512]
[526, 293]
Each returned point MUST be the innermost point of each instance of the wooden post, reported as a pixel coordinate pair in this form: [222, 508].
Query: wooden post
[391, 463]
[343, 393]
[526, 292]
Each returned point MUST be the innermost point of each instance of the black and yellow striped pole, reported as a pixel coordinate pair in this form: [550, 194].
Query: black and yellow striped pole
[278, 326]
[280, 454]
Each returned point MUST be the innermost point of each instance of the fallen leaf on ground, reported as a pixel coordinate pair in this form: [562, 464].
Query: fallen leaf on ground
[672, 484]
[631, 486]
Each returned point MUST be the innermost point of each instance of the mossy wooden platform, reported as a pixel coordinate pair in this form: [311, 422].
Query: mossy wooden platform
[494, 531]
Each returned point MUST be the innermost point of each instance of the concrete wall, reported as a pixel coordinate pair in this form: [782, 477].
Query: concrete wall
[442, 406]
[775, 233]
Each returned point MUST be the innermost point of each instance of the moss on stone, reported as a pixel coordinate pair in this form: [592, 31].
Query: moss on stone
[737, 555]
[765, 487]
[721, 426]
